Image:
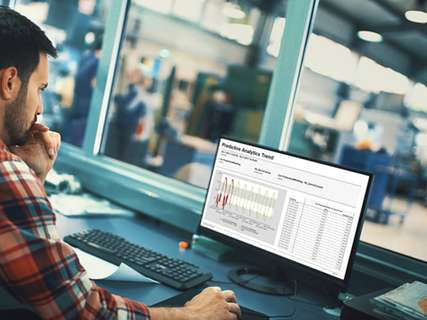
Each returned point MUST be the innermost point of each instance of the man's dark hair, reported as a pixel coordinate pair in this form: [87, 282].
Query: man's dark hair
[21, 43]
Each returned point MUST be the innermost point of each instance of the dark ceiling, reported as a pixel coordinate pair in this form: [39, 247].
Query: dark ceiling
[387, 18]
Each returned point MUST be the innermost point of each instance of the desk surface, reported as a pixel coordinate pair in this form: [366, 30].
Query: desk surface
[164, 239]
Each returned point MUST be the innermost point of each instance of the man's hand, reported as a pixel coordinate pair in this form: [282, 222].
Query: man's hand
[211, 304]
[50, 139]
[40, 151]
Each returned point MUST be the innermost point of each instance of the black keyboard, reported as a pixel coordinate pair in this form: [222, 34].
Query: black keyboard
[175, 273]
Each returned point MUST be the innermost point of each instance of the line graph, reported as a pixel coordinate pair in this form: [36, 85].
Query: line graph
[245, 197]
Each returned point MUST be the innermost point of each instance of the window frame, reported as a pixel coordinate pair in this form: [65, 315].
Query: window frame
[154, 189]
[108, 62]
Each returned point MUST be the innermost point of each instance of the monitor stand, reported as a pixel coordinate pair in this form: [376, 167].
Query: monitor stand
[265, 281]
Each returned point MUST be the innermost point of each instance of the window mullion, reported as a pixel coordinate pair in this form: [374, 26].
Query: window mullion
[277, 119]
[105, 76]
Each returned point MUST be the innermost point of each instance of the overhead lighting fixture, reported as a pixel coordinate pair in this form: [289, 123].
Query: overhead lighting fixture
[233, 11]
[370, 36]
[416, 16]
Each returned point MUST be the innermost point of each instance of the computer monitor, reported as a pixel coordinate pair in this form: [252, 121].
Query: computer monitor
[295, 210]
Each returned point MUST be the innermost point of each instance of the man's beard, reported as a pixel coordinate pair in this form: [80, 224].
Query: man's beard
[15, 119]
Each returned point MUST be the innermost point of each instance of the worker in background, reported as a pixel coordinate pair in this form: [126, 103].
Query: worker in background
[84, 84]
[39, 272]
[132, 122]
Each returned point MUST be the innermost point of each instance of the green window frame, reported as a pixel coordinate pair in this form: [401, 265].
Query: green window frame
[164, 198]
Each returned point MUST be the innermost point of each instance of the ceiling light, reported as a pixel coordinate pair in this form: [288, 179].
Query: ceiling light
[370, 36]
[416, 16]
[233, 11]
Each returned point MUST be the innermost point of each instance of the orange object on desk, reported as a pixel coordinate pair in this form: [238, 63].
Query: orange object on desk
[183, 245]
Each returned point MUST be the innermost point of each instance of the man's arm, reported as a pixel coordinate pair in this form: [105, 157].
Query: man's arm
[42, 271]
[72, 291]
[37, 267]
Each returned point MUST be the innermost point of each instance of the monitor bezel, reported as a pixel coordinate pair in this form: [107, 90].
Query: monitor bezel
[258, 252]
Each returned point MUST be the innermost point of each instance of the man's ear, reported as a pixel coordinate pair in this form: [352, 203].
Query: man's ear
[9, 83]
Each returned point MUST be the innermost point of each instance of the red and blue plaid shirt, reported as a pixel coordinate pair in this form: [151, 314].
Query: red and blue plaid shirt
[36, 267]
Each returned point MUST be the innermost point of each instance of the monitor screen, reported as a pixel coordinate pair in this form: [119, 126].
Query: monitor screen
[304, 211]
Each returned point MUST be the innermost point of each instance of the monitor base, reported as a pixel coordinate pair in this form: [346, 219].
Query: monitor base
[262, 281]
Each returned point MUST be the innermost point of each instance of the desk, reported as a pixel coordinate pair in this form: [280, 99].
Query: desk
[165, 239]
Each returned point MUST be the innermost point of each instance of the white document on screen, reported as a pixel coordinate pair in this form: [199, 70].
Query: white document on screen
[99, 269]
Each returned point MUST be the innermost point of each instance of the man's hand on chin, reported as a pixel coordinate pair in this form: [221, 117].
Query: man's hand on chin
[40, 151]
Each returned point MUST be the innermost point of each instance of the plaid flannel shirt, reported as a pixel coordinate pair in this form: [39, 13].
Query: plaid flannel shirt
[36, 267]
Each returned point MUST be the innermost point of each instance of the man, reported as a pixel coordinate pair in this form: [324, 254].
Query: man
[37, 270]
[84, 84]
[133, 122]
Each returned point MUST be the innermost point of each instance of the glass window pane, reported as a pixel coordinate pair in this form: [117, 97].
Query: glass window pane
[213, 15]
[179, 87]
[163, 6]
[76, 28]
[373, 77]
[232, 20]
[276, 36]
[188, 9]
[330, 59]
[362, 104]
[417, 97]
